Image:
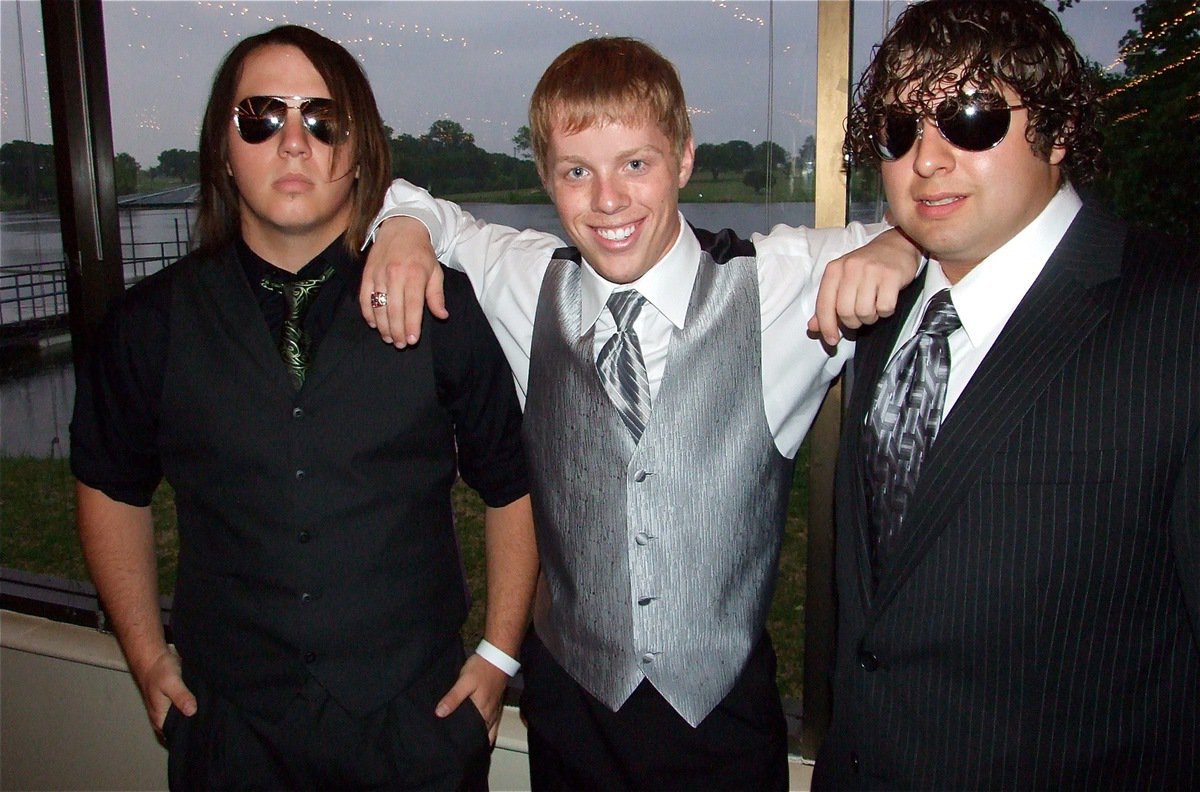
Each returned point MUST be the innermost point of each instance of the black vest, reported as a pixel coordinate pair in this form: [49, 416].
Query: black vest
[315, 528]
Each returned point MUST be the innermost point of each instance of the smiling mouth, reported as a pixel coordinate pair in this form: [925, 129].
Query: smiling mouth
[939, 201]
[616, 234]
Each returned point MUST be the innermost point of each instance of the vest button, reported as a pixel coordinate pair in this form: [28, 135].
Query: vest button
[868, 660]
[306, 597]
[300, 474]
[640, 476]
[304, 537]
[641, 538]
[644, 601]
[854, 763]
[297, 412]
[647, 658]
[310, 657]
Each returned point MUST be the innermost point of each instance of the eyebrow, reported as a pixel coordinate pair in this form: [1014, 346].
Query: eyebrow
[633, 153]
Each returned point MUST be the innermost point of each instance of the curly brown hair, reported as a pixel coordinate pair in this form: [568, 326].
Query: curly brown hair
[940, 48]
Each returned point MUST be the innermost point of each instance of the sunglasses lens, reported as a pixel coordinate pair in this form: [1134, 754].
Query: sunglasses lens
[971, 127]
[320, 119]
[897, 131]
[259, 117]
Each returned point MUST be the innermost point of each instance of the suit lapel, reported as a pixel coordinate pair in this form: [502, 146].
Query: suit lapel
[1060, 310]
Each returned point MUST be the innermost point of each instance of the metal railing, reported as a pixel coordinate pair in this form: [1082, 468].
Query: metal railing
[31, 293]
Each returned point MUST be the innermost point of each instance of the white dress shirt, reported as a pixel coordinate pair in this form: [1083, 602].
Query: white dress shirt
[506, 268]
[989, 294]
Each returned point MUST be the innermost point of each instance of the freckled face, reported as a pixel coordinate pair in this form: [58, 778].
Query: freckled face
[963, 205]
[290, 185]
[616, 189]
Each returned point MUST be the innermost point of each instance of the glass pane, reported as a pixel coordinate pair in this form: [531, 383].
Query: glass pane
[36, 374]
[463, 72]
[474, 64]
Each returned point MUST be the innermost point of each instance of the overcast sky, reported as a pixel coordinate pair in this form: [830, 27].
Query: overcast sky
[474, 62]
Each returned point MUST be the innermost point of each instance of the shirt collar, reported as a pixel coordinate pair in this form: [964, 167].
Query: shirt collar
[667, 285]
[336, 256]
[986, 297]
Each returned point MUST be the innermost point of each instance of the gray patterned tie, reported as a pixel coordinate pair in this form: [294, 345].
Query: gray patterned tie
[904, 419]
[621, 367]
[293, 341]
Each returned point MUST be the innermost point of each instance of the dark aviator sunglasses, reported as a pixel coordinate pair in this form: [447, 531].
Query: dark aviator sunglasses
[257, 118]
[969, 125]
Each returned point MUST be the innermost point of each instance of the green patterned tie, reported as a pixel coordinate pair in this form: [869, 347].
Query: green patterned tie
[293, 341]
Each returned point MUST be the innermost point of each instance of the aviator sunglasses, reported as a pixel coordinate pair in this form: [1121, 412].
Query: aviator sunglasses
[969, 125]
[257, 118]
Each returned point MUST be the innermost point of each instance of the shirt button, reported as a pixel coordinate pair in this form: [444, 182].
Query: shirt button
[868, 660]
[304, 537]
[644, 601]
[642, 538]
[647, 658]
[300, 474]
[297, 412]
[640, 476]
[310, 657]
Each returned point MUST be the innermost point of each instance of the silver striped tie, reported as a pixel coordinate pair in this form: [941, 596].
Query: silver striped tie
[620, 364]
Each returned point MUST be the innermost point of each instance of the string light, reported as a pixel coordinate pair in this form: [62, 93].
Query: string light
[564, 15]
[741, 15]
[1141, 78]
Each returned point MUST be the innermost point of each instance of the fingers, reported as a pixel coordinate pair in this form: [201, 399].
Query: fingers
[435, 295]
[856, 290]
[484, 684]
[181, 697]
[449, 702]
[162, 685]
[400, 274]
[492, 719]
[825, 319]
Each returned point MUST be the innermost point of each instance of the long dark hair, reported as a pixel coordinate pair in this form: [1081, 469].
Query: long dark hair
[219, 222]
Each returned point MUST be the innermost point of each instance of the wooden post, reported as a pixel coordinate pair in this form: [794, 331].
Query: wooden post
[834, 26]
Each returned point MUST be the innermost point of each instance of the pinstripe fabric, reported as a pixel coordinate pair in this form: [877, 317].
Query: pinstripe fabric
[1037, 626]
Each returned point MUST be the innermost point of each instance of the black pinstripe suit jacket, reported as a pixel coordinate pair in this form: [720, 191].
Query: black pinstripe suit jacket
[1039, 625]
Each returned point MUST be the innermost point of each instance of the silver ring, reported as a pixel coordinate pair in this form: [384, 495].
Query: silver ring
[378, 299]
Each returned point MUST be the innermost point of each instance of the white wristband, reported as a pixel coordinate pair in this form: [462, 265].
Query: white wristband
[498, 658]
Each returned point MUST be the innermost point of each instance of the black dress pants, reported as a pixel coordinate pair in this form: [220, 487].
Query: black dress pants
[318, 745]
[576, 742]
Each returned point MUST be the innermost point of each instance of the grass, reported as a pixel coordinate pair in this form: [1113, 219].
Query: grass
[38, 535]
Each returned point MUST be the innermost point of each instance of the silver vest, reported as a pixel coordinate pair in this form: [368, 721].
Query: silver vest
[658, 559]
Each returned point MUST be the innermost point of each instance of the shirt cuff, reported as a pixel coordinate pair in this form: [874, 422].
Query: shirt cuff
[498, 658]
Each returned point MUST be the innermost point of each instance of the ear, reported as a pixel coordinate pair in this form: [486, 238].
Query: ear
[686, 162]
[1057, 154]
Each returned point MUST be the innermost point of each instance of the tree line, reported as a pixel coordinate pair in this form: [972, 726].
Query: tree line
[445, 159]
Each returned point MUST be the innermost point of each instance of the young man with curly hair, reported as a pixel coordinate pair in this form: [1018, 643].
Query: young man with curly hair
[1018, 556]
